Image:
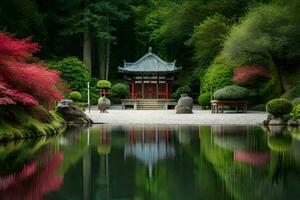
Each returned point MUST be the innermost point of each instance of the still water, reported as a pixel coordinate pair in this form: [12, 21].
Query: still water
[154, 162]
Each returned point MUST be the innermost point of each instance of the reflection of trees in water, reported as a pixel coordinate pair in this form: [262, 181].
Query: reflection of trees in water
[235, 160]
[34, 180]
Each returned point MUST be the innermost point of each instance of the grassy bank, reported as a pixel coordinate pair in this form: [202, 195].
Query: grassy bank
[17, 122]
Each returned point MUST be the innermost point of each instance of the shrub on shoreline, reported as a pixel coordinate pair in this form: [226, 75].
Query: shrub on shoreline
[279, 107]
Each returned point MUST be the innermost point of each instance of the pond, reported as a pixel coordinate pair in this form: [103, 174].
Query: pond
[154, 162]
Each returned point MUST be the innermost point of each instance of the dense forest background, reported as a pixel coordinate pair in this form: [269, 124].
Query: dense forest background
[208, 38]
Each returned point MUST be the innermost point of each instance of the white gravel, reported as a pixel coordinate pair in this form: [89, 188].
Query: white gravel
[200, 117]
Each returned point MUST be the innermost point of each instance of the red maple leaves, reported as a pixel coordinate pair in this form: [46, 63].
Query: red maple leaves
[22, 81]
[250, 74]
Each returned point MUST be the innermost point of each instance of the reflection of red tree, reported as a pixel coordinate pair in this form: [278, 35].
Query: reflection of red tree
[252, 157]
[27, 171]
[31, 183]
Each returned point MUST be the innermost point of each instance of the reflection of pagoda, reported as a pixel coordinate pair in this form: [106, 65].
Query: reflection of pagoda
[149, 144]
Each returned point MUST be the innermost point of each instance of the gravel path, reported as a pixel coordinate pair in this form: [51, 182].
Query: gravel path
[170, 117]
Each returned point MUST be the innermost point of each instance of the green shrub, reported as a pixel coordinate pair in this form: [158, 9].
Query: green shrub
[259, 107]
[232, 92]
[296, 101]
[120, 90]
[296, 112]
[279, 107]
[218, 75]
[81, 105]
[104, 84]
[204, 99]
[73, 71]
[75, 96]
[182, 90]
[292, 93]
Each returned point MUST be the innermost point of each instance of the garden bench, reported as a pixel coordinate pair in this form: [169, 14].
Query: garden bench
[238, 104]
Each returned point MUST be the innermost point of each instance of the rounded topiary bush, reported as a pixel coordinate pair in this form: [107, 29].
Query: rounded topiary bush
[104, 84]
[120, 90]
[204, 99]
[279, 107]
[232, 92]
[75, 96]
[182, 90]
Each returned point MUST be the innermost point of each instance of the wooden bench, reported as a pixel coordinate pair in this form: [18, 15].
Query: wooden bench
[238, 104]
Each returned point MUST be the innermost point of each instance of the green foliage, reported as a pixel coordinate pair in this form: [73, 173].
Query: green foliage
[98, 17]
[207, 40]
[292, 93]
[280, 143]
[18, 122]
[75, 96]
[120, 90]
[232, 92]
[279, 107]
[296, 101]
[81, 105]
[204, 99]
[104, 84]
[295, 114]
[182, 90]
[268, 34]
[73, 71]
[217, 76]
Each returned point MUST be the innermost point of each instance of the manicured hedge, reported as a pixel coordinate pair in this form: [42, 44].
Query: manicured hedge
[120, 90]
[75, 96]
[204, 99]
[103, 84]
[232, 92]
[279, 107]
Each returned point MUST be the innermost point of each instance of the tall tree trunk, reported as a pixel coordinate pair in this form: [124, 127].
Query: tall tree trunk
[107, 49]
[87, 50]
[101, 58]
[107, 58]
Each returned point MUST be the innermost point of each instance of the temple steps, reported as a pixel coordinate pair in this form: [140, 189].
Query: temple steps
[150, 105]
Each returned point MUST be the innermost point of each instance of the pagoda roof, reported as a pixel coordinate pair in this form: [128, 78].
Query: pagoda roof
[149, 63]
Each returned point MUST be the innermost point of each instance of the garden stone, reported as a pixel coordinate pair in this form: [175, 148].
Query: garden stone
[71, 113]
[103, 104]
[293, 122]
[277, 121]
[185, 105]
[183, 109]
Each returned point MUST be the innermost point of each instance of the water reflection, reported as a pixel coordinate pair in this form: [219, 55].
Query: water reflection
[154, 162]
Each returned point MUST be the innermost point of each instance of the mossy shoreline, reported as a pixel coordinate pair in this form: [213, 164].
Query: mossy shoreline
[22, 124]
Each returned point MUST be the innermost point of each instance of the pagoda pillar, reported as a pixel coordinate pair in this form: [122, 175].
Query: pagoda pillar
[132, 89]
[157, 83]
[167, 89]
[143, 86]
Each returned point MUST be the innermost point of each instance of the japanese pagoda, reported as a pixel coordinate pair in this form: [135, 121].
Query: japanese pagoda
[149, 77]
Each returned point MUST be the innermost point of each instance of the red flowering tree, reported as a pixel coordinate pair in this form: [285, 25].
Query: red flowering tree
[23, 81]
[251, 75]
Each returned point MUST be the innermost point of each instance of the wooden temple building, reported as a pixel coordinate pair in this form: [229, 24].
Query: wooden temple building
[150, 82]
